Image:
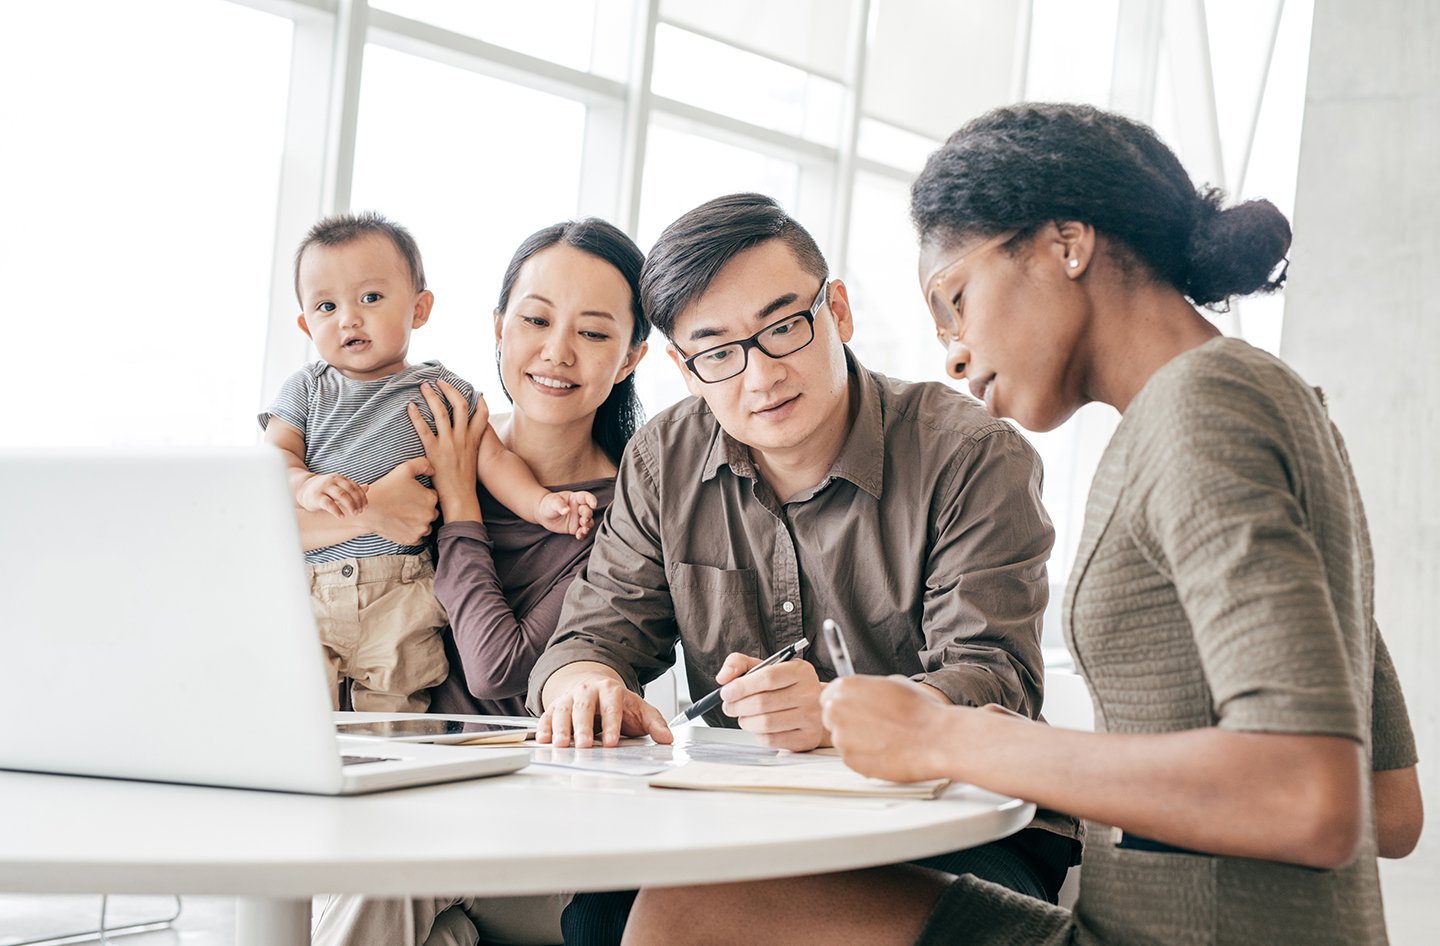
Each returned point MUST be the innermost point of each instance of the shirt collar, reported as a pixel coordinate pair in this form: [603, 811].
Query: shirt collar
[862, 456]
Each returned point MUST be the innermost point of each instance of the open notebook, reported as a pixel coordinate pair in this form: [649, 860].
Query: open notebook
[824, 778]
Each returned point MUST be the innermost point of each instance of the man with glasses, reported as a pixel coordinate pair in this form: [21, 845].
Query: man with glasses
[798, 486]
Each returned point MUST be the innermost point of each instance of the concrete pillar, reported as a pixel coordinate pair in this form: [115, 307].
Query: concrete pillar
[1363, 320]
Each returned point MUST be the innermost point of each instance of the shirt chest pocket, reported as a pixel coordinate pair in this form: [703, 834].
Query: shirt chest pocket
[717, 609]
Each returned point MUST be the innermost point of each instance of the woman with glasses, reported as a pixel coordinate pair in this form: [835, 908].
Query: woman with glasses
[1254, 755]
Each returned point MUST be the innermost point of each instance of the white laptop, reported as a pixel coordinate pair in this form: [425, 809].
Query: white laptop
[155, 624]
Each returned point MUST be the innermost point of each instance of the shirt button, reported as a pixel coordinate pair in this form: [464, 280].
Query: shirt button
[787, 607]
[349, 570]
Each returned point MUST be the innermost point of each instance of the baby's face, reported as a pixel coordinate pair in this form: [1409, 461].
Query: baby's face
[360, 305]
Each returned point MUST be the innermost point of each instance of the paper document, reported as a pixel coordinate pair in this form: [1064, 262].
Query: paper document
[647, 758]
[825, 778]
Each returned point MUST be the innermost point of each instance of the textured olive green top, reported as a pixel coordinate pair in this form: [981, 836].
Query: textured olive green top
[1225, 578]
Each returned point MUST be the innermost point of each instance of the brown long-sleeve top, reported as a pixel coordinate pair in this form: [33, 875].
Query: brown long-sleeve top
[926, 541]
[502, 582]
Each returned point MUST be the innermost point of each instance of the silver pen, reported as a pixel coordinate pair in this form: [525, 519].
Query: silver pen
[835, 643]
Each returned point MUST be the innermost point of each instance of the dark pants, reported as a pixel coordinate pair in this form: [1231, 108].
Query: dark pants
[1032, 862]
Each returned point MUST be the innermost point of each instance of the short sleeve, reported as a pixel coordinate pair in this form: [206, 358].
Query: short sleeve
[464, 387]
[1392, 741]
[292, 403]
[1215, 510]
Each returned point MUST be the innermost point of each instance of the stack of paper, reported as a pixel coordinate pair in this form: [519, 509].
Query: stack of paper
[825, 778]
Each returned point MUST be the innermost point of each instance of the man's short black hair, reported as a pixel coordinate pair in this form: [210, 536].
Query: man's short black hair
[693, 250]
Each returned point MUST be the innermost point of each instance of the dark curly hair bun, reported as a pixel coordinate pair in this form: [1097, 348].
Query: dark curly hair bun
[1236, 251]
[1021, 166]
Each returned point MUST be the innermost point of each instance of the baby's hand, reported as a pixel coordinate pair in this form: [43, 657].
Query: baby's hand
[332, 493]
[568, 512]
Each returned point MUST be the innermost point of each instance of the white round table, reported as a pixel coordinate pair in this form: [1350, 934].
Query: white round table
[539, 830]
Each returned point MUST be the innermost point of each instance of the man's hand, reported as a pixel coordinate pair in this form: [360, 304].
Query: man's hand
[400, 508]
[568, 512]
[579, 694]
[893, 727]
[330, 492]
[779, 704]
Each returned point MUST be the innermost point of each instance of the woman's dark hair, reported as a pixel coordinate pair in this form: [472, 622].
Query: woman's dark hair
[621, 415]
[1022, 166]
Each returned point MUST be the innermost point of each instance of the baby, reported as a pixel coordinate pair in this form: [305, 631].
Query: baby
[341, 423]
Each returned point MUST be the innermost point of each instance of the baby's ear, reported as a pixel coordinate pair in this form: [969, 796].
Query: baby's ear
[300, 321]
[423, 303]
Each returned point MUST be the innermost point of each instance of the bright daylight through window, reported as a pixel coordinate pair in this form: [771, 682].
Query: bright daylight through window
[175, 178]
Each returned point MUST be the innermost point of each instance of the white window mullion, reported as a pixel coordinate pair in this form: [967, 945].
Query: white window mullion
[1187, 40]
[843, 198]
[637, 115]
[1020, 67]
[347, 66]
[305, 192]
[1258, 101]
[1139, 26]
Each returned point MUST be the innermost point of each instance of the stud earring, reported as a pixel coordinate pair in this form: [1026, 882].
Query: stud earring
[1073, 264]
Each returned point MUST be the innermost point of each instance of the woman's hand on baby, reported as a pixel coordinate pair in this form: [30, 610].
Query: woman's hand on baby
[330, 492]
[567, 511]
[452, 445]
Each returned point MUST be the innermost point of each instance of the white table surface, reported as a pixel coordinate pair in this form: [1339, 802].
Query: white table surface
[538, 830]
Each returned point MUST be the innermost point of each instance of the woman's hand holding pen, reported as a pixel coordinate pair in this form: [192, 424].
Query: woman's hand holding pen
[893, 728]
[780, 704]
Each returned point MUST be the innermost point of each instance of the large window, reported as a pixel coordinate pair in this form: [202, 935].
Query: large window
[138, 184]
[472, 165]
[153, 190]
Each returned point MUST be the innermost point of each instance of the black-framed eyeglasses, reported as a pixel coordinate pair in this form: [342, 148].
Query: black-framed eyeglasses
[778, 339]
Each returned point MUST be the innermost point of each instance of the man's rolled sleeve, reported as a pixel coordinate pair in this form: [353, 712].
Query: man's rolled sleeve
[986, 587]
[618, 611]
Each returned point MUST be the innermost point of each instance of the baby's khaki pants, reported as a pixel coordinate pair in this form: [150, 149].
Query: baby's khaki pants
[380, 626]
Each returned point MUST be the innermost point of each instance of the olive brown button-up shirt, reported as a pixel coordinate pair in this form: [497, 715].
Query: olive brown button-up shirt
[926, 541]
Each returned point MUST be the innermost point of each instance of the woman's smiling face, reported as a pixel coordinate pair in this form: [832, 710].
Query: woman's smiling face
[564, 336]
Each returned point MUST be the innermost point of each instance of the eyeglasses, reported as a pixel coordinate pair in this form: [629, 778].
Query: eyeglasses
[777, 340]
[942, 303]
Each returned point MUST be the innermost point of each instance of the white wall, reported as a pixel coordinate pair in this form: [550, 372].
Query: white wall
[1363, 321]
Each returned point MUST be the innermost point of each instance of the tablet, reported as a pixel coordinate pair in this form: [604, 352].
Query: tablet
[438, 729]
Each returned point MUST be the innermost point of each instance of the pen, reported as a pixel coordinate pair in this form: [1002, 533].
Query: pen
[835, 643]
[712, 699]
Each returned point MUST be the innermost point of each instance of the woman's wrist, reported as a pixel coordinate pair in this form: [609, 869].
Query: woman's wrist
[460, 507]
[952, 736]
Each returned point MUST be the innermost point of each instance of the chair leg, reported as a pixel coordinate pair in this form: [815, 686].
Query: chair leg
[103, 932]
